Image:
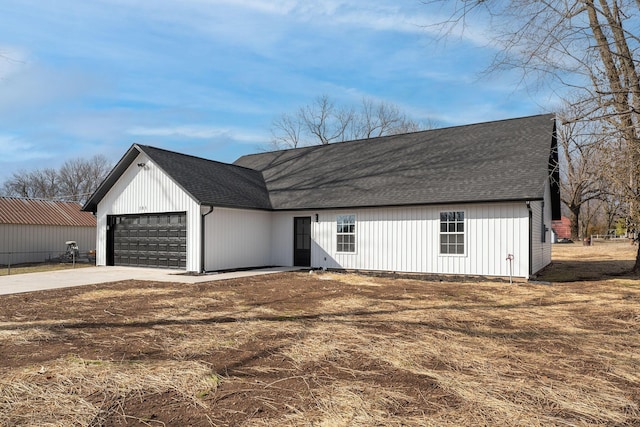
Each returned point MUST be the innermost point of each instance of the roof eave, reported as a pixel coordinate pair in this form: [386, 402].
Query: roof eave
[440, 203]
[236, 206]
[92, 204]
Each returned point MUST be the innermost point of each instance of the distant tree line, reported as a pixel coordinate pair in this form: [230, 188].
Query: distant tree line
[74, 181]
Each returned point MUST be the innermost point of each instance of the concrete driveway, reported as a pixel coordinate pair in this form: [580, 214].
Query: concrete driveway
[92, 275]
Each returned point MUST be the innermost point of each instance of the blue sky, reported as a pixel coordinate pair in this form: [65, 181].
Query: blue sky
[207, 77]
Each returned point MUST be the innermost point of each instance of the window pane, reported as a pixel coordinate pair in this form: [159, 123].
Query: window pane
[452, 232]
[346, 229]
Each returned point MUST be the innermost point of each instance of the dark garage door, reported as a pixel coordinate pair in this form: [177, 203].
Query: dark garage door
[151, 240]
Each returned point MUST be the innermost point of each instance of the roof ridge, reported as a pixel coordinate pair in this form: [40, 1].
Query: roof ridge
[458, 164]
[369, 140]
[34, 211]
[143, 146]
[39, 199]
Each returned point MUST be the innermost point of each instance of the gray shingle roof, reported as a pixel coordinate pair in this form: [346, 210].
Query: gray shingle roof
[211, 182]
[494, 161]
[207, 181]
[506, 160]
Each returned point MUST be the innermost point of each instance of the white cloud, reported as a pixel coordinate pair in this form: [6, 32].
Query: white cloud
[281, 7]
[259, 22]
[32, 85]
[12, 59]
[213, 73]
[388, 16]
[198, 132]
[15, 149]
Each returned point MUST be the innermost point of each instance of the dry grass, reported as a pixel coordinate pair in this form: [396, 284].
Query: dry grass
[74, 391]
[330, 350]
[38, 268]
[573, 261]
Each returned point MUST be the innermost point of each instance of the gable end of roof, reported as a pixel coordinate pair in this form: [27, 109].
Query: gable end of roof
[206, 181]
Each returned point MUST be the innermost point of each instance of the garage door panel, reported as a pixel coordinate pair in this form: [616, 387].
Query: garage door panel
[154, 240]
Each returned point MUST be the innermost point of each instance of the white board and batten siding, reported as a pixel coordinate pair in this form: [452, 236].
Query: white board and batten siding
[407, 239]
[38, 243]
[541, 227]
[147, 190]
[399, 239]
[237, 238]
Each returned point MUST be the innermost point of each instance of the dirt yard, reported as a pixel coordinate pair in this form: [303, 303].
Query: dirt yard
[330, 349]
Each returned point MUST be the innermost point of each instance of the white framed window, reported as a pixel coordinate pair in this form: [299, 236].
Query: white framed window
[452, 233]
[346, 233]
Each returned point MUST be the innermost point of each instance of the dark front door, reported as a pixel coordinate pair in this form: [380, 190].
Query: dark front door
[111, 221]
[302, 241]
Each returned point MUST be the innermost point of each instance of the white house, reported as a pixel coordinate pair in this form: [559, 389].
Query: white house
[33, 230]
[457, 200]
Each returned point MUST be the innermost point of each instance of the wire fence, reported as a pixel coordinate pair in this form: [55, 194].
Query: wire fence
[609, 236]
[15, 259]
[633, 238]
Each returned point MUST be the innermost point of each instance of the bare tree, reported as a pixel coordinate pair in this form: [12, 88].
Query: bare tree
[612, 210]
[79, 178]
[381, 118]
[588, 45]
[38, 184]
[18, 185]
[76, 180]
[579, 182]
[323, 122]
[286, 131]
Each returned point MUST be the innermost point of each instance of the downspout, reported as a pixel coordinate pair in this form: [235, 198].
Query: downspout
[530, 238]
[202, 238]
